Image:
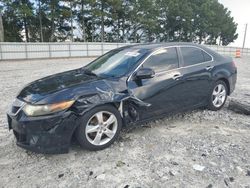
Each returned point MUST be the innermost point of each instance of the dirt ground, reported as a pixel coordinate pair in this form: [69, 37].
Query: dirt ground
[196, 149]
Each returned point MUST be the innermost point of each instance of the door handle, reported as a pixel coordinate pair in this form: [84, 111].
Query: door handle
[209, 68]
[177, 76]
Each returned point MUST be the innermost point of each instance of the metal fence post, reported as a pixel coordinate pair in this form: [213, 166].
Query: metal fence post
[26, 52]
[1, 53]
[49, 50]
[69, 48]
[87, 47]
[102, 48]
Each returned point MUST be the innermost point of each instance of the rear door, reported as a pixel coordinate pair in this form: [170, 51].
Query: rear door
[196, 75]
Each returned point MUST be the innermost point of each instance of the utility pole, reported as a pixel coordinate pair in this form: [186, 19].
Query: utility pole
[1, 29]
[40, 21]
[245, 36]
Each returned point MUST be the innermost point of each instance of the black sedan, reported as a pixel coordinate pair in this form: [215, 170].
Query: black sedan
[124, 87]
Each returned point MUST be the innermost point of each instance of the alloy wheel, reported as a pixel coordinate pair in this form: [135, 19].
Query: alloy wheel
[101, 128]
[219, 95]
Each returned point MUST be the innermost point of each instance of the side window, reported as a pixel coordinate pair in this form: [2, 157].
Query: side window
[163, 60]
[192, 56]
[206, 56]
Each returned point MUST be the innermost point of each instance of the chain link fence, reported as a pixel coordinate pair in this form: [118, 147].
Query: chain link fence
[14, 51]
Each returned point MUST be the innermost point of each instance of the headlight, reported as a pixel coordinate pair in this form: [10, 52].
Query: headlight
[38, 110]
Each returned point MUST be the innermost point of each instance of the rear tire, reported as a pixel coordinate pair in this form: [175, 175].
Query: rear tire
[100, 127]
[218, 96]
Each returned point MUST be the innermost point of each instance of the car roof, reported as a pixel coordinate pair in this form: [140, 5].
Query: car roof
[155, 46]
[152, 46]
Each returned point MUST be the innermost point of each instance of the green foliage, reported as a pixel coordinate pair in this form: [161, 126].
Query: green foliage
[202, 21]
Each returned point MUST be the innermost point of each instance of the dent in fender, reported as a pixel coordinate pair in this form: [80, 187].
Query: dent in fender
[127, 103]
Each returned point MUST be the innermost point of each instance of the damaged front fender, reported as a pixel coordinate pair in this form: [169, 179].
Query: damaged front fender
[124, 100]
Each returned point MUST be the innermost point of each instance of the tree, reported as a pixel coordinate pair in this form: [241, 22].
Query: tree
[201, 21]
[12, 24]
[228, 29]
[56, 20]
[84, 18]
[40, 20]
[25, 12]
[1, 29]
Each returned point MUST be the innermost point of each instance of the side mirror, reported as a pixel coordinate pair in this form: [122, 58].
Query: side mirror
[145, 73]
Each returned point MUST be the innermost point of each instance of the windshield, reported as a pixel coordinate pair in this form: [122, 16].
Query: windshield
[116, 63]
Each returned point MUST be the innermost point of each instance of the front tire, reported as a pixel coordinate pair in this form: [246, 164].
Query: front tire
[100, 127]
[218, 96]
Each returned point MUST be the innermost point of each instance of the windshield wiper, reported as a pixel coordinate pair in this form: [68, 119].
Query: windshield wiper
[89, 72]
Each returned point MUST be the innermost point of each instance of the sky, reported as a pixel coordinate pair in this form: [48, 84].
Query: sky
[240, 10]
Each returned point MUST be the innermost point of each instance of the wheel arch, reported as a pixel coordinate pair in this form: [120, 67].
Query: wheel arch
[223, 75]
[225, 80]
[128, 110]
[114, 104]
[85, 117]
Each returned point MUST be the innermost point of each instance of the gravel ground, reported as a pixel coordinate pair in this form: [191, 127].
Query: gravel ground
[196, 149]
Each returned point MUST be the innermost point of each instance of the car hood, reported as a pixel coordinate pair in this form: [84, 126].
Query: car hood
[60, 87]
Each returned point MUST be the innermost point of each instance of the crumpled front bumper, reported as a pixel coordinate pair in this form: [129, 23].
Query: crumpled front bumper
[45, 134]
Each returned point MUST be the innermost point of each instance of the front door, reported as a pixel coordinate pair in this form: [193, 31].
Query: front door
[161, 91]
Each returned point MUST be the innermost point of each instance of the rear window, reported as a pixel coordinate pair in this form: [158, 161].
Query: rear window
[192, 56]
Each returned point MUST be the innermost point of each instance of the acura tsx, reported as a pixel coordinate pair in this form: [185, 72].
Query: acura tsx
[124, 87]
